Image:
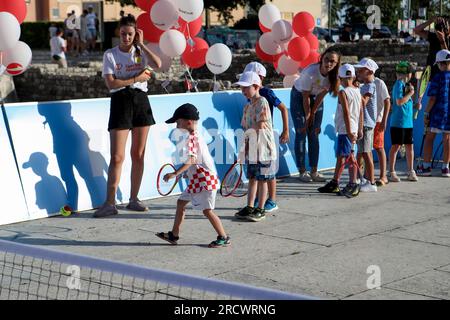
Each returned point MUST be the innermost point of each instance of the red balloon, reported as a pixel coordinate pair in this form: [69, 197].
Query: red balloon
[314, 57]
[303, 23]
[299, 49]
[313, 41]
[263, 29]
[195, 56]
[151, 32]
[18, 8]
[145, 5]
[190, 29]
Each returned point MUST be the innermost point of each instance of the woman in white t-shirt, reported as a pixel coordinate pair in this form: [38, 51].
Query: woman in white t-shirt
[126, 72]
[306, 107]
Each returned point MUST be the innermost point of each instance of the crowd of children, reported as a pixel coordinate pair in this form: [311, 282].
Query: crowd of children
[364, 106]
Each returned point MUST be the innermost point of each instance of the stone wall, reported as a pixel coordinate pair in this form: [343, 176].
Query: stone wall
[82, 80]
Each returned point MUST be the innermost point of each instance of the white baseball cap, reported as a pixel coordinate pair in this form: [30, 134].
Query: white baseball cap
[443, 55]
[256, 67]
[367, 63]
[347, 71]
[248, 78]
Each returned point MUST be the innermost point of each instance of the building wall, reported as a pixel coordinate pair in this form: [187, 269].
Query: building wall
[56, 10]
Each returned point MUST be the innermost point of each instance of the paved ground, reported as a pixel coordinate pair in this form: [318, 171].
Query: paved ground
[320, 245]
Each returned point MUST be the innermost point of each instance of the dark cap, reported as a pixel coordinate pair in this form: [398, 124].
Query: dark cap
[186, 111]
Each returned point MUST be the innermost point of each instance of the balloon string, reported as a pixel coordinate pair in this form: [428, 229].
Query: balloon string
[188, 31]
[192, 79]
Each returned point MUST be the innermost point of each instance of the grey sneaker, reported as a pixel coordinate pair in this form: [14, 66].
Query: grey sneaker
[317, 177]
[105, 211]
[305, 177]
[136, 205]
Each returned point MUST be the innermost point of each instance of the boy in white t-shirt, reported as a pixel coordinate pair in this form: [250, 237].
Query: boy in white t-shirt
[201, 172]
[58, 48]
[348, 122]
[383, 108]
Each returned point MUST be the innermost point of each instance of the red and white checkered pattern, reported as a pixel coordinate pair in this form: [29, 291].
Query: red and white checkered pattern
[193, 145]
[203, 180]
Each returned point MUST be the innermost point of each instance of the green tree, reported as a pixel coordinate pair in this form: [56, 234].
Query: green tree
[433, 7]
[391, 11]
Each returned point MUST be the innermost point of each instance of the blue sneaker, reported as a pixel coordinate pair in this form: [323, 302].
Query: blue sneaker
[270, 205]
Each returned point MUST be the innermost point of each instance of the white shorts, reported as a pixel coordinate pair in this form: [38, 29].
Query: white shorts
[436, 130]
[200, 201]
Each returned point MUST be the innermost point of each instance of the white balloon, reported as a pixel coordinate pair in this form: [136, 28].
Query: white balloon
[268, 14]
[289, 80]
[287, 66]
[164, 14]
[2, 69]
[17, 59]
[268, 44]
[9, 31]
[166, 62]
[189, 9]
[218, 58]
[282, 31]
[172, 43]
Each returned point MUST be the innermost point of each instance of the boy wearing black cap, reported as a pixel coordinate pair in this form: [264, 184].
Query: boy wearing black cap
[202, 176]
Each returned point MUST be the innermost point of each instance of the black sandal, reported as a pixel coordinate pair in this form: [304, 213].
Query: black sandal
[169, 237]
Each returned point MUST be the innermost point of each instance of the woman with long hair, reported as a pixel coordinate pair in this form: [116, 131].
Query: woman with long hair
[126, 70]
[315, 82]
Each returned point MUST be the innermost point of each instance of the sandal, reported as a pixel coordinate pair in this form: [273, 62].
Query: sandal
[169, 237]
[381, 183]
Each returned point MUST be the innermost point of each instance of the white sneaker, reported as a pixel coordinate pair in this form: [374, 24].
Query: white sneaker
[305, 177]
[369, 187]
[412, 176]
[317, 177]
[361, 181]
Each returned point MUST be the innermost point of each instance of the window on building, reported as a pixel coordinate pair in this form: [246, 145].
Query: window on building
[289, 16]
[55, 12]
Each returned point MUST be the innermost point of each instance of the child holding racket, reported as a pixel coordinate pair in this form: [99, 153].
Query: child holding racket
[402, 120]
[274, 102]
[437, 113]
[348, 123]
[259, 144]
[202, 176]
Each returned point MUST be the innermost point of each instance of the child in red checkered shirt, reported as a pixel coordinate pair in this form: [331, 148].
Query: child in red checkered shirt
[203, 180]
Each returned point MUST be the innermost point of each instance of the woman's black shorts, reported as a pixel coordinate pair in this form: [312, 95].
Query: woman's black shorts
[130, 108]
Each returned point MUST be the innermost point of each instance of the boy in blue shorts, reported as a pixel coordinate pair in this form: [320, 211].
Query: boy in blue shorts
[259, 146]
[274, 102]
[348, 123]
[402, 120]
[437, 112]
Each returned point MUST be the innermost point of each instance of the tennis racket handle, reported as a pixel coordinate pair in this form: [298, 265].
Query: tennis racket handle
[416, 111]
